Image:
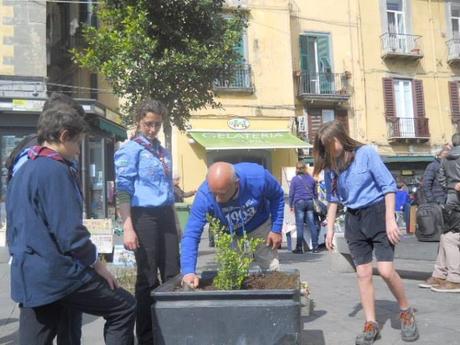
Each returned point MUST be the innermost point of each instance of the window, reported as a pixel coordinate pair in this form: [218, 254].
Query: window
[315, 62]
[404, 107]
[328, 115]
[455, 20]
[395, 17]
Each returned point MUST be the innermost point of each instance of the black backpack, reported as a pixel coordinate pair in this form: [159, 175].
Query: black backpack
[430, 222]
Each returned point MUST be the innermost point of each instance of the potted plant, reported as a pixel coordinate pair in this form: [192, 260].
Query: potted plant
[232, 305]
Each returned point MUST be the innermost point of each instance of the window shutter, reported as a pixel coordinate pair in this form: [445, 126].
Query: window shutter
[389, 98]
[315, 120]
[303, 40]
[454, 101]
[419, 98]
[342, 116]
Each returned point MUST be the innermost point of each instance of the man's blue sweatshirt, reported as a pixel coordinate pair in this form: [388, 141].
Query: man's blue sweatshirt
[260, 195]
[51, 250]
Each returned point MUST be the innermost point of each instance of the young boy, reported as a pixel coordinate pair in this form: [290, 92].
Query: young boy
[54, 264]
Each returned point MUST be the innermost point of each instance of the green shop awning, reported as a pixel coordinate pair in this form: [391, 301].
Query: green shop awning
[248, 140]
[111, 127]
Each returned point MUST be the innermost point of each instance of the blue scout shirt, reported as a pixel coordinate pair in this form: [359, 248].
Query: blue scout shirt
[143, 176]
[363, 183]
[260, 196]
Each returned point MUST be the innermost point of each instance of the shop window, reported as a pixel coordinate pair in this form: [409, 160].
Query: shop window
[96, 178]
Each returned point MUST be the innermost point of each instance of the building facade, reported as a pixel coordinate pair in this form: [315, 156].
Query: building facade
[388, 69]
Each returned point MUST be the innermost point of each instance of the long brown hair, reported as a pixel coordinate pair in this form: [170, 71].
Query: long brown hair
[324, 148]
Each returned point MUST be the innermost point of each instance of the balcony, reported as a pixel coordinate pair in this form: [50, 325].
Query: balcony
[401, 46]
[407, 129]
[327, 88]
[453, 51]
[235, 79]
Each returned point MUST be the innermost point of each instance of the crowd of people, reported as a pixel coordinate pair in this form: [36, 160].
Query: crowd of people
[56, 274]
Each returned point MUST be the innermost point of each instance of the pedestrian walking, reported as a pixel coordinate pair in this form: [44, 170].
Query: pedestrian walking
[302, 193]
[179, 193]
[54, 263]
[356, 177]
[146, 204]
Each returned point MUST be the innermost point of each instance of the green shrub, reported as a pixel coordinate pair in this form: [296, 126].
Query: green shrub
[234, 256]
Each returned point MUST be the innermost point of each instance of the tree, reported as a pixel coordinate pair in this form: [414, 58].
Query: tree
[167, 50]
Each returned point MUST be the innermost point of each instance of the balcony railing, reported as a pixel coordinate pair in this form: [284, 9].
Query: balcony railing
[402, 128]
[323, 85]
[401, 45]
[237, 78]
[453, 50]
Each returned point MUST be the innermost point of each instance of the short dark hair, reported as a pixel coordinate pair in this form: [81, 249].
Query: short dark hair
[56, 119]
[456, 139]
[150, 106]
[60, 98]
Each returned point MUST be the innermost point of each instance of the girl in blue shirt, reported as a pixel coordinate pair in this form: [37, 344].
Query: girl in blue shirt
[146, 203]
[356, 177]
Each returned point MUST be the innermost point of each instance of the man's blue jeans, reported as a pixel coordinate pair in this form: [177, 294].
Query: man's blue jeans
[304, 214]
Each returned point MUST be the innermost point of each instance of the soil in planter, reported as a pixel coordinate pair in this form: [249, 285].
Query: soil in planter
[258, 281]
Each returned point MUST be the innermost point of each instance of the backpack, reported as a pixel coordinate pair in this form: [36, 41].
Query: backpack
[27, 142]
[430, 222]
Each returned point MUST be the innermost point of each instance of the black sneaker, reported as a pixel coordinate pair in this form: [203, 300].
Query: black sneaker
[298, 251]
[370, 334]
[315, 251]
[409, 331]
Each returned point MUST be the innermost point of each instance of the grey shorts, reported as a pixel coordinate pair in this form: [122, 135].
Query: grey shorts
[365, 232]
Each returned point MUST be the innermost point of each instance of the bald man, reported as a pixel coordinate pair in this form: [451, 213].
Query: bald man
[246, 198]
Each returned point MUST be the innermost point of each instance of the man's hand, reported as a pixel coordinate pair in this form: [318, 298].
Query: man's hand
[130, 239]
[330, 240]
[191, 280]
[274, 239]
[102, 270]
[392, 230]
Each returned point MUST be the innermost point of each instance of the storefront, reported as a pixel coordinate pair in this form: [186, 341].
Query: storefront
[267, 141]
[18, 118]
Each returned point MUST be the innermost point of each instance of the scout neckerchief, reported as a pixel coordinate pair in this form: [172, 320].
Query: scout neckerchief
[156, 150]
[43, 151]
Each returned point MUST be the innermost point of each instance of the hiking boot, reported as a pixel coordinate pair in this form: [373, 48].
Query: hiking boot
[430, 282]
[447, 286]
[409, 331]
[370, 334]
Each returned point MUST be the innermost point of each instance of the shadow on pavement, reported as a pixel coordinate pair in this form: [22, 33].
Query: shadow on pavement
[316, 314]
[313, 337]
[10, 339]
[385, 310]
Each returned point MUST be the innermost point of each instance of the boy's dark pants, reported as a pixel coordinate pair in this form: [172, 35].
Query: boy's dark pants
[159, 251]
[39, 325]
[69, 327]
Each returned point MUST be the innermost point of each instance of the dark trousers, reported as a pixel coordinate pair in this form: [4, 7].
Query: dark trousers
[158, 251]
[69, 327]
[39, 325]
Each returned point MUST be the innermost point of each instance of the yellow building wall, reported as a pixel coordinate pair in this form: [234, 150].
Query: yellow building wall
[270, 107]
[6, 51]
[429, 21]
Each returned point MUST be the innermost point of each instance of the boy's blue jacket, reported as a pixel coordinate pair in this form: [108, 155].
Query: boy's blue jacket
[142, 175]
[51, 250]
[260, 195]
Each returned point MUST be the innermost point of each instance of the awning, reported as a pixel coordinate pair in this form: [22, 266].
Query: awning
[247, 140]
[112, 128]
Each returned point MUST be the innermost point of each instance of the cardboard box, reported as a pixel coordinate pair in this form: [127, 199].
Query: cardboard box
[412, 220]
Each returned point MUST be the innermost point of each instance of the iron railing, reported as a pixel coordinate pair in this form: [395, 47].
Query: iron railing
[333, 84]
[453, 49]
[237, 77]
[401, 44]
[407, 127]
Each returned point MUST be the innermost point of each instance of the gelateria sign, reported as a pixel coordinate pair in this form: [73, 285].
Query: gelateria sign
[238, 123]
[247, 140]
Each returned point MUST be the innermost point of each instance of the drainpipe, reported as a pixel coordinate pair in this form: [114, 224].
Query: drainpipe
[435, 68]
[360, 33]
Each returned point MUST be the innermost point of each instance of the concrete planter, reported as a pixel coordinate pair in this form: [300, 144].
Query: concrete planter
[237, 317]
